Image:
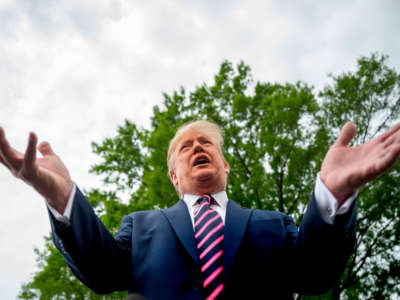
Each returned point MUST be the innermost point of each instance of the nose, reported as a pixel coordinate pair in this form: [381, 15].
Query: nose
[198, 147]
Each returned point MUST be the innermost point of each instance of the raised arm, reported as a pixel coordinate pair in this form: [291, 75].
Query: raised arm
[47, 175]
[99, 260]
[345, 169]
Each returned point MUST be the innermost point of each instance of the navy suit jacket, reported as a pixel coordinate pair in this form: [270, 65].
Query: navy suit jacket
[154, 253]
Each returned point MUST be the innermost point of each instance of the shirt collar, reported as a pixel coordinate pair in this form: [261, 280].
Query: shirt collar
[220, 197]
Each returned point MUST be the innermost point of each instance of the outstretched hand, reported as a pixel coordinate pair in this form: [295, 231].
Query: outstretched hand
[48, 175]
[345, 169]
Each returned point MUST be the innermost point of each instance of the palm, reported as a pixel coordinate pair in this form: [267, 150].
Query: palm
[47, 175]
[345, 168]
[52, 165]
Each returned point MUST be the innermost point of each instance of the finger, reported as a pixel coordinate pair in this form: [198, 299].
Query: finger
[346, 134]
[390, 158]
[390, 132]
[30, 153]
[45, 149]
[9, 156]
[391, 140]
[2, 160]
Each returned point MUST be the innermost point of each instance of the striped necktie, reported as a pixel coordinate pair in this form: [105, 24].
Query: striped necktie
[209, 234]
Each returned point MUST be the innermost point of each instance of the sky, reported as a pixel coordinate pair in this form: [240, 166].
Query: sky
[72, 71]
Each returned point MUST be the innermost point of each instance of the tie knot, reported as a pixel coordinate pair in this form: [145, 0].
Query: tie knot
[206, 199]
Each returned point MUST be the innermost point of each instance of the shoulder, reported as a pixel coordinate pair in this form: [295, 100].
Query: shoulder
[269, 214]
[142, 215]
[259, 215]
[144, 212]
[272, 216]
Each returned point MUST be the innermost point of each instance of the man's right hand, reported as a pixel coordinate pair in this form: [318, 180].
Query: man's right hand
[47, 175]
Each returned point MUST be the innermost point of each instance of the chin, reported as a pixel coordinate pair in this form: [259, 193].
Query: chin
[205, 175]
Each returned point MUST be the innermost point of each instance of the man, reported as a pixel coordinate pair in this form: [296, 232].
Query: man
[206, 246]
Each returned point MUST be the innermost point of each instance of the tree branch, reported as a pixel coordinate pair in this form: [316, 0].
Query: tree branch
[369, 249]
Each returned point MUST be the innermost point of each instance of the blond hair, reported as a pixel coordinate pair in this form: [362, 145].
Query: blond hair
[210, 129]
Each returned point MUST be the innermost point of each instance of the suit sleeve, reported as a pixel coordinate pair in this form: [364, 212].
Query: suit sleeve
[319, 251]
[99, 260]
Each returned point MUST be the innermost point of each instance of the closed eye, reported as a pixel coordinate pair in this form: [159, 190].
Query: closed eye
[206, 142]
[184, 147]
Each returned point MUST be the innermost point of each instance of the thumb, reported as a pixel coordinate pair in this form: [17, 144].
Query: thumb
[45, 149]
[346, 134]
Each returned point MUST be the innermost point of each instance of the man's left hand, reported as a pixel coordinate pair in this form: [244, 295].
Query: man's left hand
[345, 169]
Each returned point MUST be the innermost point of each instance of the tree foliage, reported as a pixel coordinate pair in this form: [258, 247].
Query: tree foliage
[371, 97]
[276, 136]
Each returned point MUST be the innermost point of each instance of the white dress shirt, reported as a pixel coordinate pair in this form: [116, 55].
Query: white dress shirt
[327, 204]
[220, 206]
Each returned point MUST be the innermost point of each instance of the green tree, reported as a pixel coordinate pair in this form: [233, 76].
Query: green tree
[370, 97]
[276, 136]
[55, 280]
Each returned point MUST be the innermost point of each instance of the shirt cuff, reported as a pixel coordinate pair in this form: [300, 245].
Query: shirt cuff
[328, 205]
[66, 216]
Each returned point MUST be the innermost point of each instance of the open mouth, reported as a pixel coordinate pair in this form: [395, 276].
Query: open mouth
[201, 160]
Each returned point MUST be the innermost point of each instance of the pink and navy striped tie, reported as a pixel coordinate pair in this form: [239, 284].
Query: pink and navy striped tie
[209, 234]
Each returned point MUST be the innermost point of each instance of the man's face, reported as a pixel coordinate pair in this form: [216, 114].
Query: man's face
[199, 166]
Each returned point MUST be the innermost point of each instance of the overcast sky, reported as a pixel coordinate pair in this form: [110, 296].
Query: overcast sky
[72, 71]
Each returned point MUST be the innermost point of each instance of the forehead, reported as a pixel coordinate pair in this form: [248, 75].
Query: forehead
[192, 135]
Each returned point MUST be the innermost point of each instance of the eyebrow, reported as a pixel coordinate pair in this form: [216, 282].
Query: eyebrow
[185, 143]
[190, 141]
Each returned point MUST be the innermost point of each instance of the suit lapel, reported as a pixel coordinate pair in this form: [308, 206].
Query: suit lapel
[235, 225]
[179, 218]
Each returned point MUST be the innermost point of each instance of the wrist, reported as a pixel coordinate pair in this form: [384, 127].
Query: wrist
[59, 198]
[340, 192]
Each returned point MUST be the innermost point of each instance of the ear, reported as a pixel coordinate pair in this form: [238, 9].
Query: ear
[173, 178]
[226, 167]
